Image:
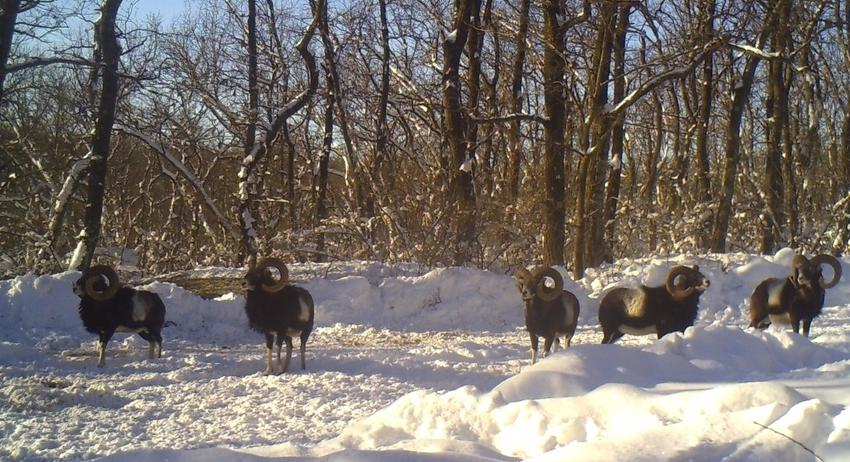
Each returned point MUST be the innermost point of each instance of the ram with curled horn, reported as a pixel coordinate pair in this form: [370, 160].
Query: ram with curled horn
[278, 309]
[659, 310]
[796, 299]
[107, 306]
[550, 312]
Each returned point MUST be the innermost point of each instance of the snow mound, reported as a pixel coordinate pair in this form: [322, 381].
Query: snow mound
[606, 402]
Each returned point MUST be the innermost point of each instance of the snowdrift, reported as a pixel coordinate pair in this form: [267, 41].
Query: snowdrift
[430, 367]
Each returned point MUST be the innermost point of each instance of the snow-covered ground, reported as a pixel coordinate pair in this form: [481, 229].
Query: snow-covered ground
[416, 365]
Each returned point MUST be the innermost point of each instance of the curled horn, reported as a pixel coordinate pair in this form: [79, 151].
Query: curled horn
[546, 293]
[267, 263]
[95, 274]
[674, 290]
[836, 269]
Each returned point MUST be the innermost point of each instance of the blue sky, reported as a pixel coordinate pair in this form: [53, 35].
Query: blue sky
[167, 9]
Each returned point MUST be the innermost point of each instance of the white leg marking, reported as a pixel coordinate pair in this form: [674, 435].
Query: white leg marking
[101, 350]
[288, 358]
[151, 349]
[279, 364]
[269, 368]
[533, 356]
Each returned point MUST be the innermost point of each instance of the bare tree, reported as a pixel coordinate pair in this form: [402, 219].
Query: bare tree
[8, 17]
[107, 54]
[773, 223]
[256, 149]
[706, 98]
[462, 188]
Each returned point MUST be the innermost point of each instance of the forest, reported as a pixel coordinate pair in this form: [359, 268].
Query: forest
[485, 133]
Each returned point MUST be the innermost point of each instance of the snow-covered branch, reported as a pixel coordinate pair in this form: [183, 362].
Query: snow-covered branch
[659, 79]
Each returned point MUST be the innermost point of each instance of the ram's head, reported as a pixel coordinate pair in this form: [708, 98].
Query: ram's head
[807, 273]
[270, 275]
[533, 283]
[99, 282]
[682, 281]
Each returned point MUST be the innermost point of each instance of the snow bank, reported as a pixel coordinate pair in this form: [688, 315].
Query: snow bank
[607, 402]
[407, 365]
[43, 309]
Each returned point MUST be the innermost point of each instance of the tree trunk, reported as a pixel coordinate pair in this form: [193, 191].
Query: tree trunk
[249, 239]
[706, 83]
[290, 178]
[554, 211]
[247, 177]
[108, 53]
[732, 148]
[462, 189]
[353, 168]
[8, 18]
[789, 165]
[515, 126]
[615, 167]
[382, 152]
[324, 162]
[600, 124]
[650, 193]
[474, 43]
[774, 221]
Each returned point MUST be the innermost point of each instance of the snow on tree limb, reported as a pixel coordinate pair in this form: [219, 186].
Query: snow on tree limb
[260, 146]
[657, 80]
[754, 50]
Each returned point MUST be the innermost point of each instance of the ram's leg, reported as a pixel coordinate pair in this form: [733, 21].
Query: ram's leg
[157, 336]
[151, 344]
[567, 340]
[280, 365]
[611, 336]
[547, 345]
[795, 324]
[101, 347]
[303, 351]
[288, 353]
[807, 323]
[269, 345]
[533, 348]
[556, 345]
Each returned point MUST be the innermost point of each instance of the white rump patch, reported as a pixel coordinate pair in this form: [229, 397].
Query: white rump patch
[783, 318]
[140, 308]
[633, 302]
[304, 314]
[637, 330]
